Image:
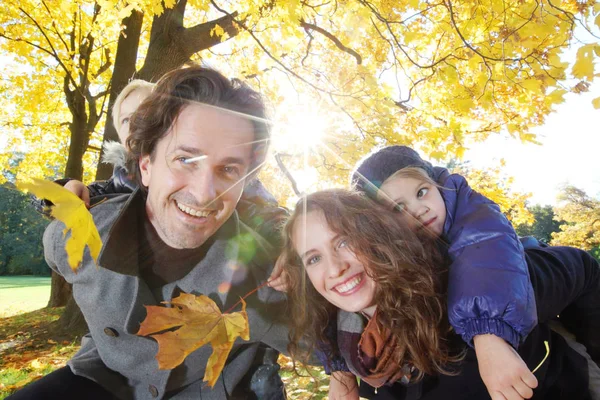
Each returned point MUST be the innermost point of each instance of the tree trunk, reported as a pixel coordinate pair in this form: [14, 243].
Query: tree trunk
[123, 72]
[60, 291]
[171, 46]
[72, 320]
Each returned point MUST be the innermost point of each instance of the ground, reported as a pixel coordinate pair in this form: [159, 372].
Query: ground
[31, 345]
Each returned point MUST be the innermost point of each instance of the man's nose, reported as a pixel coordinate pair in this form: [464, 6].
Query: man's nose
[204, 185]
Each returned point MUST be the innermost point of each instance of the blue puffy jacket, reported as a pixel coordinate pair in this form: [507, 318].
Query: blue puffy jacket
[489, 290]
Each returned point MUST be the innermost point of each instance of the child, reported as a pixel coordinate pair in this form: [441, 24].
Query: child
[115, 153]
[360, 260]
[489, 290]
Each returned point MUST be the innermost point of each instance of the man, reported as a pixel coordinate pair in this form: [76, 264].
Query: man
[194, 144]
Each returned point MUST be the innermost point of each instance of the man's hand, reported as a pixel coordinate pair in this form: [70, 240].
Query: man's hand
[504, 373]
[279, 278]
[80, 190]
[343, 386]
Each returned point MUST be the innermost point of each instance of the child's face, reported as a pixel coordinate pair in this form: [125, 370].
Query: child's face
[420, 204]
[331, 266]
[127, 108]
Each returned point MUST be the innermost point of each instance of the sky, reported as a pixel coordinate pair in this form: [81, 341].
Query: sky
[569, 153]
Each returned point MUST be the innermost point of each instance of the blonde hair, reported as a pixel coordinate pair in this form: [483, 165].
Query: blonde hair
[417, 173]
[127, 90]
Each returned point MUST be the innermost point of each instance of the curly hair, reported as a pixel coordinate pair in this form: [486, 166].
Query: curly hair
[407, 270]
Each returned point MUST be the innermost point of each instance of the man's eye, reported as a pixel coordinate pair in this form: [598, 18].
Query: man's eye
[232, 171]
[422, 192]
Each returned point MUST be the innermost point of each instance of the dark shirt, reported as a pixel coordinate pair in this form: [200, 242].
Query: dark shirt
[159, 263]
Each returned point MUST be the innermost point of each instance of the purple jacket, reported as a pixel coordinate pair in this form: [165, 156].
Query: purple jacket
[489, 290]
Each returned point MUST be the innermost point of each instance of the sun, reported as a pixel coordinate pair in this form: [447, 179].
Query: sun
[299, 128]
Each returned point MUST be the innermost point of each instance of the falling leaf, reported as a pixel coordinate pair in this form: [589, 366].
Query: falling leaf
[198, 321]
[71, 210]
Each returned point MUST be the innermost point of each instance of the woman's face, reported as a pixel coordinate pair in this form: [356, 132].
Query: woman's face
[419, 203]
[127, 108]
[331, 266]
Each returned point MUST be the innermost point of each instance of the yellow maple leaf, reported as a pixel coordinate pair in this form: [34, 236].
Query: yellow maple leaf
[596, 103]
[198, 321]
[70, 210]
[584, 64]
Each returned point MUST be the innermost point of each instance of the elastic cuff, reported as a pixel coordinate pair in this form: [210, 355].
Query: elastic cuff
[496, 327]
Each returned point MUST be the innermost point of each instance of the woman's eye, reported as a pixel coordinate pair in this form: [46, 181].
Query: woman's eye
[422, 192]
[313, 260]
[125, 121]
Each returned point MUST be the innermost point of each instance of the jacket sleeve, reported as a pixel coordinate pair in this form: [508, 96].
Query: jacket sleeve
[54, 250]
[328, 354]
[99, 188]
[489, 289]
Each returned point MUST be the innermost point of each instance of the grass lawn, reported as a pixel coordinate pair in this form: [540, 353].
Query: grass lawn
[31, 345]
[19, 294]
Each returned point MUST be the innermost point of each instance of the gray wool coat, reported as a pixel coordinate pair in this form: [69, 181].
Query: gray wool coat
[112, 298]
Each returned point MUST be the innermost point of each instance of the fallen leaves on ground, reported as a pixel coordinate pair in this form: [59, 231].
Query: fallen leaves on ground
[30, 348]
[71, 210]
[198, 321]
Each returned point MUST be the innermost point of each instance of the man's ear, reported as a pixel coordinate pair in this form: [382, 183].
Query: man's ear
[145, 169]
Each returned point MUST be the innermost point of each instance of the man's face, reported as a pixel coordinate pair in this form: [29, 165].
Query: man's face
[188, 201]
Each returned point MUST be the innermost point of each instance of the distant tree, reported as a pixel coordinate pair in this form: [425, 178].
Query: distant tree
[21, 229]
[496, 186]
[544, 224]
[581, 216]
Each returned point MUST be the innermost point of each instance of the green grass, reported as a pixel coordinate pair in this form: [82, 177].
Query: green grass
[20, 294]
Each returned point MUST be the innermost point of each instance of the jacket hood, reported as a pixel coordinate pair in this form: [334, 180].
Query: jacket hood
[115, 154]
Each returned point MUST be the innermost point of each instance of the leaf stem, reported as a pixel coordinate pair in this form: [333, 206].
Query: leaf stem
[246, 295]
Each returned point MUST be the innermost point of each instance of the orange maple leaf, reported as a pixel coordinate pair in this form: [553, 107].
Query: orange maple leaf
[199, 321]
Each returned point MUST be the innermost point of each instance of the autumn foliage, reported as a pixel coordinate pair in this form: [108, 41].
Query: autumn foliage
[70, 210]
[197, 321]
[581, 216]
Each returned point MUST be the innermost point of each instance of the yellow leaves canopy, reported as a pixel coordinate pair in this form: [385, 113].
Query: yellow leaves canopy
[198, 321]
[496, 186]
[70, 210]
[581, 216]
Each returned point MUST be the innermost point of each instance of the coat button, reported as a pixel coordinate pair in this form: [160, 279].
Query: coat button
[111, 332]
[153, 390]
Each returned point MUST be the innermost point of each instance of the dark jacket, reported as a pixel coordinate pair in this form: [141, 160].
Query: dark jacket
[563, 374]
[489, 289]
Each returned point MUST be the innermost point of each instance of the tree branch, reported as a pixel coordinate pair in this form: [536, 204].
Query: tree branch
[287, 174]
[106, 65]
[334, 39]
